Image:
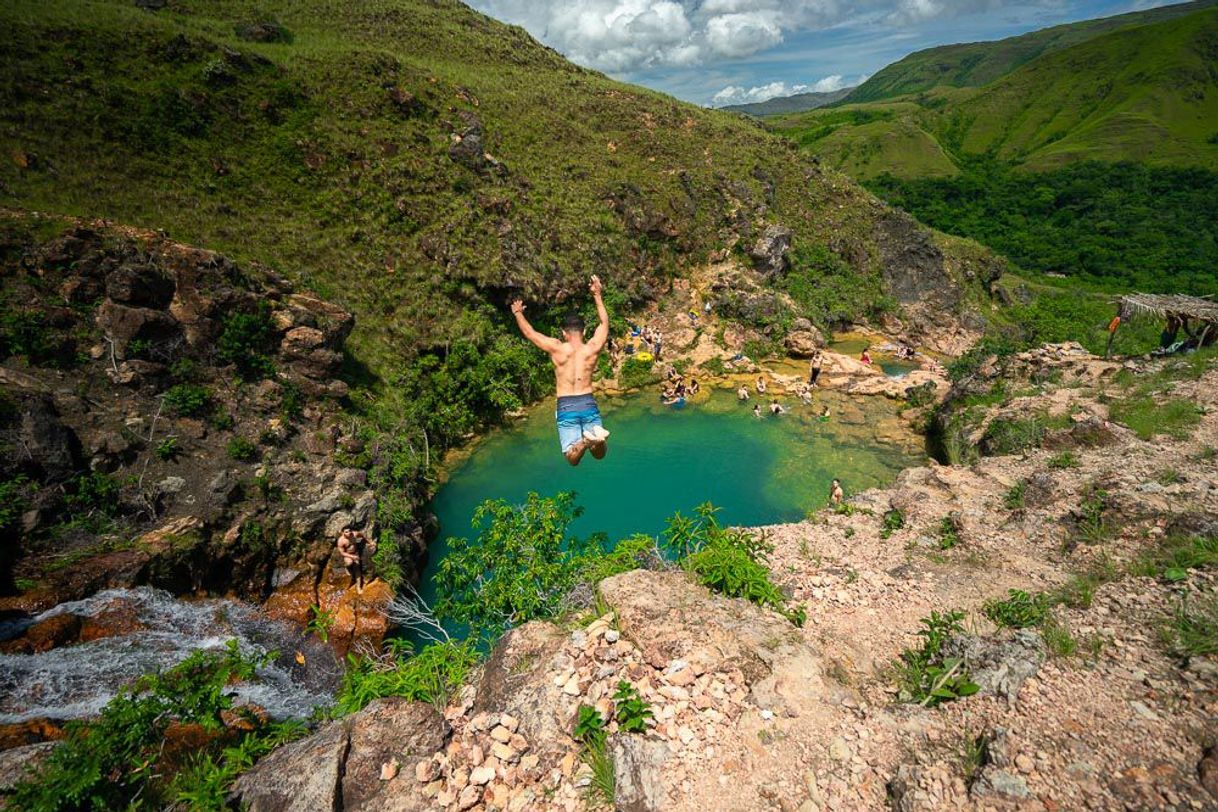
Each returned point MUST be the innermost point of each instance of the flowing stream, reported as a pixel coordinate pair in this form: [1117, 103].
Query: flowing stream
[76, 681]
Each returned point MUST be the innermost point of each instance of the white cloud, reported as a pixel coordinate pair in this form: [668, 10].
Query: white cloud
[734, 94]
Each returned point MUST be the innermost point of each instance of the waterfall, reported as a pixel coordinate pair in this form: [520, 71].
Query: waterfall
[76, 681]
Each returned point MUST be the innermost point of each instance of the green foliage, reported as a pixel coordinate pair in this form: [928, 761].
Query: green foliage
[431, 675]
[927, 677]
[728, 560]
[291, 400]
[1175, 417]
[949, 532]
[1091, 524]
[628, 554]
[1192, 628]
[168, 449]
[714, 366]
[1058, 640]
[320, 622]
[1019, 610]
[1013, 499]
[223, 422]
[187, 399]
[1172, 558]
[589, 725]
[519, 568]
[207, 781]
[27, 333]
[631, 710]
[244, 340]
[635, 374]
[111, 762]
[12, 501]
[829, 292]
[242, 450]
[1011, 435]
[93, 493]
[991, 345]
[893, 520]
[1063, 461]
[591, 733]
[387, 561]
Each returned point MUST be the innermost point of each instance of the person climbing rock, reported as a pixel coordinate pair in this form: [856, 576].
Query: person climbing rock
[578, 418]
[836, 494]
[356, 550]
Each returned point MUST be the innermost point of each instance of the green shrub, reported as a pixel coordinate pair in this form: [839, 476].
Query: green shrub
[589, 724]
[1058, 640]
[291, 401]
[111, 762]
[243, 341]
[387, 561]
[631, 710]
[591, 733]
[12, 501]
[242, 449]
[1175, 556]
[320, 623]
[924, 675]
[1019, 610]
[1091, 521]
[431, 675]
[94, 492]
[1064, 460]
[949, 532]
[1175, 417]
[636, 374]
[519, 568]
[1013, 499]
[168, 449]
[187, 399]
[714, 366]
[894, 520]
[207, 781]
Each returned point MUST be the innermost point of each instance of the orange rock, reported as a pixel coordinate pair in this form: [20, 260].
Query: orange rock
[32, 732]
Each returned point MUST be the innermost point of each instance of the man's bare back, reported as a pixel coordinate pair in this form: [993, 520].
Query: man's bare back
[579, 424]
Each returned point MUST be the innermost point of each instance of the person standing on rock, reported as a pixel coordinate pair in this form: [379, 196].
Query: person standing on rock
[356, 550]
[578, 418]
[818, 363]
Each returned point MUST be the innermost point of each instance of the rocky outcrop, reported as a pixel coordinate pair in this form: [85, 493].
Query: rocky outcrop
[769, 252]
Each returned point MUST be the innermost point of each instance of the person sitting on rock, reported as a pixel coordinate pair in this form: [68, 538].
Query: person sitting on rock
[356, 550]
[760, 386]
[866, 356]
[836, 494]
[694, 386]
[824, 413]
[777, 408]
[742, 394]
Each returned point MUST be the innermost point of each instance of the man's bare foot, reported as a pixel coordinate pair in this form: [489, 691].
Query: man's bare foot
[596, 434]
[599, 450]
[576, 452]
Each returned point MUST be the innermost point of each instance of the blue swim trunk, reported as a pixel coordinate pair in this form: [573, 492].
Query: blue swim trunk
[575, 414]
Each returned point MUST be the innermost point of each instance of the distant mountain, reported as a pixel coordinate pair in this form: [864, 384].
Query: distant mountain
[975, 64]
[799, 103]
[1143, 92]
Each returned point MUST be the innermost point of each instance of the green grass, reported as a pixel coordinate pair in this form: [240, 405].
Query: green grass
[1191, 630]
[1173, 557]
[1148, 417]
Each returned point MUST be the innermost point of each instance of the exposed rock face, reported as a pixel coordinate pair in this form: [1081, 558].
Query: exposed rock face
[803, 343]
[340, 766]
[769, 253]
[1000, 666]
[638, 768]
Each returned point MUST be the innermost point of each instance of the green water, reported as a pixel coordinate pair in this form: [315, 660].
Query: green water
[663, 459]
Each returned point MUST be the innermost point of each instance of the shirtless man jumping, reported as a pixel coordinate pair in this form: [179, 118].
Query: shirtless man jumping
[579, 421]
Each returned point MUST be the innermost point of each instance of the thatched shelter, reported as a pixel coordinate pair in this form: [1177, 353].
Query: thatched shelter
[1197, 316]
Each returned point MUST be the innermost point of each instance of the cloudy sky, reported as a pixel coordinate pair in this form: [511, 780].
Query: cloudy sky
[716, 52]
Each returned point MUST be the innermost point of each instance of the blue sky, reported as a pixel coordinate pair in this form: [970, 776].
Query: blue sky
[715, 52]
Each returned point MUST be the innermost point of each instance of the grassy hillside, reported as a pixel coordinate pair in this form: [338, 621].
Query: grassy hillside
[414, 160]
[974, 64]
[1146, 93]
[797, 103]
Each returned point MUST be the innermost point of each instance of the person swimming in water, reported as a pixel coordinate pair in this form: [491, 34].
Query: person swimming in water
[777, 408]
[760, 385]
[742, 394]
[757, 410]
[577, 415]
[824, 413]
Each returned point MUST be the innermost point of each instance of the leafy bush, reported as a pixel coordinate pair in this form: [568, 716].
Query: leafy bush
[1019, 610]
[111, 762]
[714, 366]
[243, 341]
[631, 710]
[519, 568]
[828, 291]
[589, 724]
[431, 675]
[94, 492]
[894, 520]
[1175, 556]
[387, 561]
[968, 364]
[242, 450]
[636, 374]
[924, 675]
[206, 782]
[729, 561]
[1013, 499]
[168, 449]
[12, 501]
[949, 532]
[187, 399]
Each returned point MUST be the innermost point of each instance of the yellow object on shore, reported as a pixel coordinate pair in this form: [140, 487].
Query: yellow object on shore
[644, 356]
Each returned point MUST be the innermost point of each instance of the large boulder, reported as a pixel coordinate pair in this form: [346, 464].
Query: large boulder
[638, 770]
[52, 447]
[803, 343]
[364, 762]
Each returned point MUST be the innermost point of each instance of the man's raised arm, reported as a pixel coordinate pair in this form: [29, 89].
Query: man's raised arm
[602, 329]
[543, 342]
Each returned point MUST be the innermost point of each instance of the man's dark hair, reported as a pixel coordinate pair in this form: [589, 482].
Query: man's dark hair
[573, 322]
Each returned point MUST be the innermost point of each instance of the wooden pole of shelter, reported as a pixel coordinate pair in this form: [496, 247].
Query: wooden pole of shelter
[1113, 326]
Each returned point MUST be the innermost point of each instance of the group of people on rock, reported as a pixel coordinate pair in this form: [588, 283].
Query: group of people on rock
[651, 337]
[675, 388]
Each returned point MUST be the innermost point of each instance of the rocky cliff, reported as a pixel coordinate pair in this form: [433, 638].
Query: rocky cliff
[173, 418]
